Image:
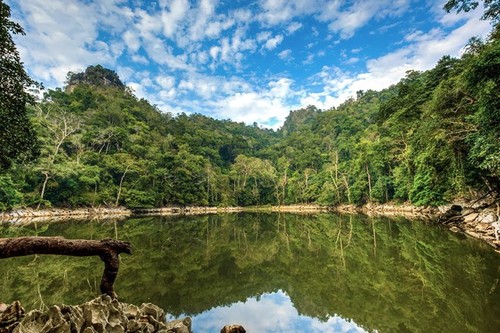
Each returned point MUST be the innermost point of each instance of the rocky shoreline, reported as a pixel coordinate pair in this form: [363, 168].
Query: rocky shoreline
[99, 315]
[478, 219]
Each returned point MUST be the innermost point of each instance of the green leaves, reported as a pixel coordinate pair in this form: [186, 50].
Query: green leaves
[17, 138]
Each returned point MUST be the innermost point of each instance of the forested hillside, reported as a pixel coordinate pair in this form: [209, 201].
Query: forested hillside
[431, 138]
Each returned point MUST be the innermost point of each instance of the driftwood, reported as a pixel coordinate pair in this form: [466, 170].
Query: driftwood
[107, 249]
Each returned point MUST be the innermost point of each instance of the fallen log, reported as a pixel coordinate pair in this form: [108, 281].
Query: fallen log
[107, 249]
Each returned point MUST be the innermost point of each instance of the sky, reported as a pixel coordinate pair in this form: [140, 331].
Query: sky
[248, 61]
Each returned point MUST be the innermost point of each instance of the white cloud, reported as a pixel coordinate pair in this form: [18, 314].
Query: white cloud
[263, 106]
[351, 61]
[285, 54]
[166, 81]
[346, 23]
[172, 16]
[204, 13]
[132, 40]
[63, 36]
[263, 36]
[294, 26]
[273, 42]
[139, 59]
[274, 12]
[423, 52]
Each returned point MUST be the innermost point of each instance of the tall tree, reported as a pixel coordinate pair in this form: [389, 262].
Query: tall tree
[17, 137]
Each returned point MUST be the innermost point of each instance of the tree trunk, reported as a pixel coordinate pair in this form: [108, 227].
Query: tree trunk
[369, 181]
[107, 249]
[120, 186]
[44, 185]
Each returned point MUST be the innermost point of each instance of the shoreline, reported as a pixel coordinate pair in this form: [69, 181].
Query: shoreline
[477, 220]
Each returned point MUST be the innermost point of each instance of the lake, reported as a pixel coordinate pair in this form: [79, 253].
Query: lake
[275, 272]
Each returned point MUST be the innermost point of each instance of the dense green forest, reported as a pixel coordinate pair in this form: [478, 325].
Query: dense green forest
[431, 138]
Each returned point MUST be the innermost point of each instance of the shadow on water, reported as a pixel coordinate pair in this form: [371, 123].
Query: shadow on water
[295, 272]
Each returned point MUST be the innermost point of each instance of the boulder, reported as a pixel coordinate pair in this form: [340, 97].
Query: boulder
[233, 329]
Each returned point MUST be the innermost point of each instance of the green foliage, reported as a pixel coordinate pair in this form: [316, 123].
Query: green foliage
[9, 195]
[430, 138]
[17, 137]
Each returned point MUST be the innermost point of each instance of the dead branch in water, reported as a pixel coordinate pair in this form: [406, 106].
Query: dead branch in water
[107, 249]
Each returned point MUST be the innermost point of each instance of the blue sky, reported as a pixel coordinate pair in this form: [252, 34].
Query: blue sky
[249, 61]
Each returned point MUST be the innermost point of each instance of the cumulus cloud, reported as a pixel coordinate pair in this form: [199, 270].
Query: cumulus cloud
[268, 106]
[273, 42]
[422, 53]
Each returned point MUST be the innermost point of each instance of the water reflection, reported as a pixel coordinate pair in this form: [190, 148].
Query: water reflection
[387, 275]
[270, 312]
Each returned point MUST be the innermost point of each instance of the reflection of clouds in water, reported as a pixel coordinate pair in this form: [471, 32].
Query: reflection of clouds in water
[269, 313]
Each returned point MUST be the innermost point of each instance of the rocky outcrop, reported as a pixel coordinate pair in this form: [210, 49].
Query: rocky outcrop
[100, 315]
[478, 222]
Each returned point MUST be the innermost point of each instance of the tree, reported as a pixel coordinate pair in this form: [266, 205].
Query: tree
[17, 137]
[491, 8]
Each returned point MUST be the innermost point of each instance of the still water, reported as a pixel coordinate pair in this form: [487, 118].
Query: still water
[276, 272]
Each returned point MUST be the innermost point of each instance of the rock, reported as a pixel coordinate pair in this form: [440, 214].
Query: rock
[11, 317]
[140, 326]
[487, 218]
[470, 217]
[233, 329]
[101, 315]
[179, 326]
[152, 310]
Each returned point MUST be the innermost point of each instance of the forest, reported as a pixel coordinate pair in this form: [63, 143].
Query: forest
[432, 138]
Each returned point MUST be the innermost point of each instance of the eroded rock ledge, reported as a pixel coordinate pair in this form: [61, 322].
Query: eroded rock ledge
[99, 315]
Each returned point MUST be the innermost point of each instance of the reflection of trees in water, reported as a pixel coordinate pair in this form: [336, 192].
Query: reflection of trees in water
[386, 274]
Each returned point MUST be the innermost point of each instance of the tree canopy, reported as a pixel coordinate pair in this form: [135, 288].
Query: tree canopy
[17, 137]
